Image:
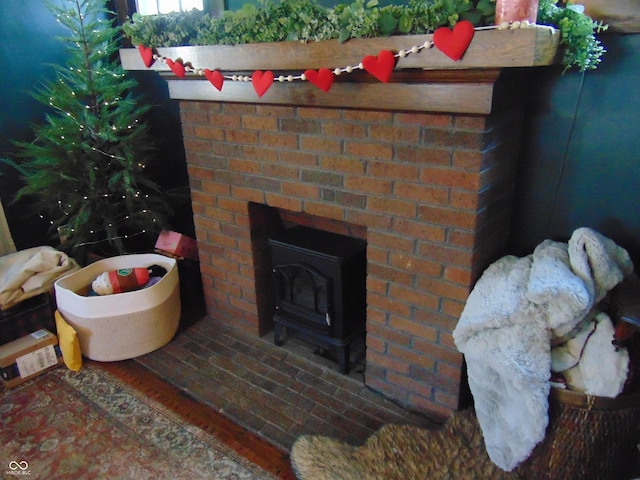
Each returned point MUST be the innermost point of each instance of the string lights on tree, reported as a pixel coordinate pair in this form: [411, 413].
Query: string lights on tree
[86, 171]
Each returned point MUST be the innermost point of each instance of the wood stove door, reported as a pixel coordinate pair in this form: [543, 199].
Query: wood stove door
[304, 296]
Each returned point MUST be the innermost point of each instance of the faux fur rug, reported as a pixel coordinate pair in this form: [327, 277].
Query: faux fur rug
[401, 452]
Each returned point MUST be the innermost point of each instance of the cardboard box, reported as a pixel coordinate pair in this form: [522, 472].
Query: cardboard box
[177, 245]
[28, 356]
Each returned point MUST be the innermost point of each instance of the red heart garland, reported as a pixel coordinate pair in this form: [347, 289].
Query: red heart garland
[323, 78]
[454, 43]
[261, 81]
[176, 67]
[380, 66]
[215, 77]
[147, 55]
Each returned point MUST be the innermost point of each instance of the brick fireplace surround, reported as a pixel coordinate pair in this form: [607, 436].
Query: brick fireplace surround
[430, 192]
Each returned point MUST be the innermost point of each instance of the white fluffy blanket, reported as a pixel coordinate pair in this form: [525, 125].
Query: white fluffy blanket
[506, 328]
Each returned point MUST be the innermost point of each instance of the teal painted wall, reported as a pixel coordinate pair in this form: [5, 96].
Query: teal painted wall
[27, 28]
[27, 48]
[580, 164]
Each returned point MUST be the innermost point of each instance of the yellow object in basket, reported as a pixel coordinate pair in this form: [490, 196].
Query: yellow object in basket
[69, 343]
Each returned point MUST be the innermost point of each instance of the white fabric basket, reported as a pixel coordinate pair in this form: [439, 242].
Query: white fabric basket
[124, 325]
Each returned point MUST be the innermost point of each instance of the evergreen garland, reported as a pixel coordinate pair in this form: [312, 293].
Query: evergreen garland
[306, 20]
[582, 49]
[85, 170]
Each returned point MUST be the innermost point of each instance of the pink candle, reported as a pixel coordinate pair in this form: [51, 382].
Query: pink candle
[516, 11]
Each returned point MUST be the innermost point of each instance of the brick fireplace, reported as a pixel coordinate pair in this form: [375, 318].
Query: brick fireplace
[421, 168]
[430, 193]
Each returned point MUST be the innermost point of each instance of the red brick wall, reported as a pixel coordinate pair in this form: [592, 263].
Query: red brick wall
[431, 193]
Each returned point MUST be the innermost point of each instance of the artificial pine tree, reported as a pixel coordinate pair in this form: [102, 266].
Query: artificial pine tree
[85, 170]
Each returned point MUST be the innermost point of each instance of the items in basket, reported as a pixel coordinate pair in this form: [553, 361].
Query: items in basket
[126, 280]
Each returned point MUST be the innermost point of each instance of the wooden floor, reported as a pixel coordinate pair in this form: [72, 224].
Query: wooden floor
[246, 443]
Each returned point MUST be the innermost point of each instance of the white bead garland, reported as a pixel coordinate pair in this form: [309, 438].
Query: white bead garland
[351, 68]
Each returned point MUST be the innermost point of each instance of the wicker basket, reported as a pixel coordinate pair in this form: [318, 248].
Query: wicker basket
[587, 438]
[126, 325]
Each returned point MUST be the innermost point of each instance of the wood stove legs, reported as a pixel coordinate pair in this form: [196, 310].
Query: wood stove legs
[344, 358]
[342, 347]
[278, 331]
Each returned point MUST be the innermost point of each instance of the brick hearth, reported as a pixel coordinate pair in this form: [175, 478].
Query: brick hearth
[431, 193]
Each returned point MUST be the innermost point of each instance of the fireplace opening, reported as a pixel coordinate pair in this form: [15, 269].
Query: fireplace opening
[319, 280]
[267, 222]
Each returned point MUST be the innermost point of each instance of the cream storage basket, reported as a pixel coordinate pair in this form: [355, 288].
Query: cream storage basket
[124, 325]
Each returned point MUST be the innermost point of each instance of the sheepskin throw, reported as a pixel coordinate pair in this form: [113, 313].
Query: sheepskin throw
[400, 452]
[516, 309]
[590, 363]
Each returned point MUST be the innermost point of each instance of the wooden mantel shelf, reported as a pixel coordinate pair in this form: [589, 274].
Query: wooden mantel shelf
[424, 81]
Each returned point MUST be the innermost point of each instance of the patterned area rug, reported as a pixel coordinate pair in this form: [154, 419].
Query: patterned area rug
[90, 425]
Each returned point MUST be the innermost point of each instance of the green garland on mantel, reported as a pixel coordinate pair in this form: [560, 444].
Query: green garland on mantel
[306, 20]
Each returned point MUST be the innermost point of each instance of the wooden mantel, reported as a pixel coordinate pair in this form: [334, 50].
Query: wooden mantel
[424, 81]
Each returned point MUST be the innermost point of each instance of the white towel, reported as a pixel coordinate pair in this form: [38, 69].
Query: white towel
[29, 272]
[602, 369]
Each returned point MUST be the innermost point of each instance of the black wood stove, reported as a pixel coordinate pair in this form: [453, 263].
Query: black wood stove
[320, 288]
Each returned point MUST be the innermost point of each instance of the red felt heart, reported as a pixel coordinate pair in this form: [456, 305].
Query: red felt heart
[261, 81]
[177, 68]
[215, 77]
[147, 55]
[453, 43]
[323, 78]
[380, 66]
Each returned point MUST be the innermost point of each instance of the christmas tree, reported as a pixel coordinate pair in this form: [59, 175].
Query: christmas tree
[85, 171]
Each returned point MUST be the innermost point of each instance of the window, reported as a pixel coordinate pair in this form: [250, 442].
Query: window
[154, 7]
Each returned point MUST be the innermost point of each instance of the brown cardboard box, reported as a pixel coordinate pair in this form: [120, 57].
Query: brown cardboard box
[28, 357]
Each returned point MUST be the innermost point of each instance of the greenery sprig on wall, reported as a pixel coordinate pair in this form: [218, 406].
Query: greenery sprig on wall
[306, 20]
[582, 49]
